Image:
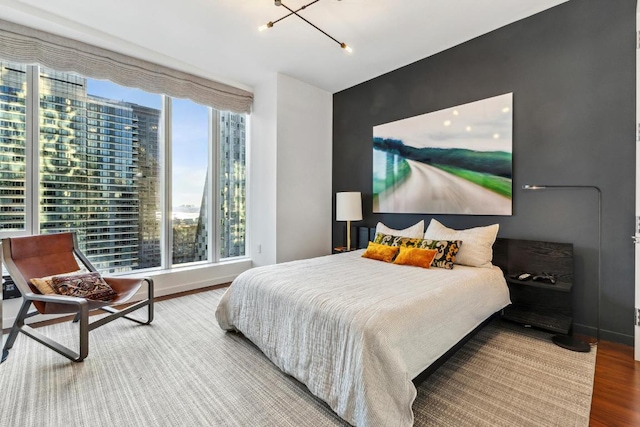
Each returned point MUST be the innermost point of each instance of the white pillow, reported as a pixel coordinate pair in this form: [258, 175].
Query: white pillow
[414, 232]
[476, 249]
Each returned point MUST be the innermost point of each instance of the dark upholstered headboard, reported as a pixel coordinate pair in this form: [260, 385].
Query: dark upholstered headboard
[365, 235]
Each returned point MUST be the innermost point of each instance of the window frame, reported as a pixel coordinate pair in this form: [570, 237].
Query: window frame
[32, 178]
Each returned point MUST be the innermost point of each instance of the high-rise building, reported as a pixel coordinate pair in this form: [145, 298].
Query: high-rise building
[88, 158]
[13, 92]
[146, 124]
[232, 178]
[233, 184]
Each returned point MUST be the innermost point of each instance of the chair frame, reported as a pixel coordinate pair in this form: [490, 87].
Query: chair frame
[79, 305]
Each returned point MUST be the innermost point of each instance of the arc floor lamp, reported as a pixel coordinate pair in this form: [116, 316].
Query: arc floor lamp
[571, 342]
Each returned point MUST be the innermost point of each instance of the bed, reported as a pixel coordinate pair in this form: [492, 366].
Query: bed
[357, 331]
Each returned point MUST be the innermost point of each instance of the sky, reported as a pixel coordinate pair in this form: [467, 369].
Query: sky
[485, 125]
[109, 90]
[189, 137]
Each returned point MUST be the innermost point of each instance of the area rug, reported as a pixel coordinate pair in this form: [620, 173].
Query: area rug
[183, 370]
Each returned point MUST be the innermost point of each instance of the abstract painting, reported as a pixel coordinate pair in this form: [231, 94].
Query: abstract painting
[452, 161]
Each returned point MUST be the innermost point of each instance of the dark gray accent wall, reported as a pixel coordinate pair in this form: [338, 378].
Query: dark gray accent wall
[572, 73]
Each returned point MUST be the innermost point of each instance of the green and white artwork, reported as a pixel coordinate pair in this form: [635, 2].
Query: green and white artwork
[453, 161]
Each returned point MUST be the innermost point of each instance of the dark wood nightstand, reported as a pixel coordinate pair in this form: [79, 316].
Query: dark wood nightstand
[341, 249]
[538, 303]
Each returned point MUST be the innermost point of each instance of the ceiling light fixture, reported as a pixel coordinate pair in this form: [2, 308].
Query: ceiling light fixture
[295, 12]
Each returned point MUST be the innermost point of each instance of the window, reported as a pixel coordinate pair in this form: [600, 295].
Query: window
[100, 163]
[190, 170]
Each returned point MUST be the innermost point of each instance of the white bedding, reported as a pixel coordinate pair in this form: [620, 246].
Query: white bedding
[356, 331]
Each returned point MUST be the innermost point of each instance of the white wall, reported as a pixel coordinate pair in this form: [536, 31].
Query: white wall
[261, 192]
[304, 170]
[290, 184]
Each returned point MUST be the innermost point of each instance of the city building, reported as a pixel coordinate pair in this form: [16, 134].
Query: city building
[12, 146]
[146, 123]
[232, 184]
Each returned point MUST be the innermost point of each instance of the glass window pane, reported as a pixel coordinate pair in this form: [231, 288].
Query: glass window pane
[99, 169]
[232, 184]
[13, 92]
[190, 154]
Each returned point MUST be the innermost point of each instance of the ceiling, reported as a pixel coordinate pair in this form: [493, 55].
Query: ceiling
[219, 39]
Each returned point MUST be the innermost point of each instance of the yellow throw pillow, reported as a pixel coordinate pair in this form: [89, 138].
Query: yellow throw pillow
[416, 257]
[380, 252]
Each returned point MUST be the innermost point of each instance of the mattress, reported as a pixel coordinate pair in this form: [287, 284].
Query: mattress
[356, 331]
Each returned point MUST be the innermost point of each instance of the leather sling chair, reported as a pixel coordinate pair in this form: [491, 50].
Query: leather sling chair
[39, 256]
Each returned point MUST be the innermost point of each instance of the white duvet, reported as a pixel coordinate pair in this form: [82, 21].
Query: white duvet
[356, 331]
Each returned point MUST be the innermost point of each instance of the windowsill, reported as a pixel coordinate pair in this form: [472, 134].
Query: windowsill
[154, 272]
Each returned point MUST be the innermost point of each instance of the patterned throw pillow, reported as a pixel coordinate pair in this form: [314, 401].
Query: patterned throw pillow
[89, 286]
[391, 240]
[447, 249]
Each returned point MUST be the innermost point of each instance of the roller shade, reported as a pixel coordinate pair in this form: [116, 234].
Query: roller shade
[30, 46]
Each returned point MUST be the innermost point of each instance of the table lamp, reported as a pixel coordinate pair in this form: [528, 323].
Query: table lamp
[349, 208]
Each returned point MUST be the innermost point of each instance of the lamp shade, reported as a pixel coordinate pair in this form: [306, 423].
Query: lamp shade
[349, 206]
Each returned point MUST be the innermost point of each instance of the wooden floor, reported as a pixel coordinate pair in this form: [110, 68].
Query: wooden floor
[616, 388]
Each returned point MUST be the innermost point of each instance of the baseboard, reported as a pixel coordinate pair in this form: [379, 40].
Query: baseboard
[176, 289]
[605, 335]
